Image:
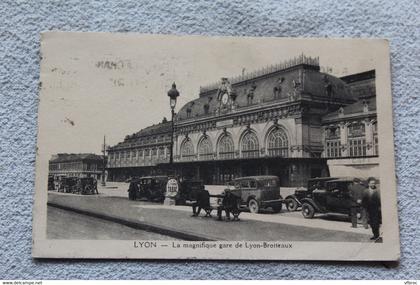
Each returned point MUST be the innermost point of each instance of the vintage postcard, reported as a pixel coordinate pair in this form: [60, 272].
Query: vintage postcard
[191, 147]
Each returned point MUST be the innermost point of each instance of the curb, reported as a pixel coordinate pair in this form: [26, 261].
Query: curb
[138, 225]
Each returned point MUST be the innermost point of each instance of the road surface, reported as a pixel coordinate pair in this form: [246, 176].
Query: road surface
[177, 220]
[63, 224]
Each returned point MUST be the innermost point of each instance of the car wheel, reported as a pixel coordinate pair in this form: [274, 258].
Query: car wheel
[253, 206]
[291, 205]
[277, 209]
[308, 211]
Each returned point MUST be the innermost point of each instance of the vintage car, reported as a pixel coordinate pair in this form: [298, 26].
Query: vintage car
[293, 202]
[51, 185]
[187, 190]
[67, 184]
[78, 185]
[151, 188]
[258, 192]
[86, 186]
[338, 195]
[58, 179]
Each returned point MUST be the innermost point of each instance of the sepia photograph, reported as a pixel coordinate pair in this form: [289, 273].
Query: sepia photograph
[192, 147]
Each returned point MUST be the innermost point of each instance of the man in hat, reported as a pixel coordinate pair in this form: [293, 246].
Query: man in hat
[201, 199]
[372, 203]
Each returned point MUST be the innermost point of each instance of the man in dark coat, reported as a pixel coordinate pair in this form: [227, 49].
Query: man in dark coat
[229, 205]
[372, 203]
[201, 201]
[133, 189]
[95, 186]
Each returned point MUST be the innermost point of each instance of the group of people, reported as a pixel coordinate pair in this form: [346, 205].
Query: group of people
[229, 203]
[368, 203]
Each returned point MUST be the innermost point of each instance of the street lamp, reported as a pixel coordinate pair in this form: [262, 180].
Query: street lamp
[104, 147]
[172, 94]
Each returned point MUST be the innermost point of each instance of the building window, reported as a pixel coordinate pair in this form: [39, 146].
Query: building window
[333, 148]
[332, 142]
[249, 145]
[277, 143]
[356, 130]
[161, 152]
[356, 139]
[225, 147]
[187, 150]
[146, 153]
[357, 147]
[205, 149]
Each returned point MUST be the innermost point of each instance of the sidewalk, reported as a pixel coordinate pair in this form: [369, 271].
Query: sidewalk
[119, 189]
[177, 222]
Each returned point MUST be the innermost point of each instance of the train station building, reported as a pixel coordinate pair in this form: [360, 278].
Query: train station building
[290, 120]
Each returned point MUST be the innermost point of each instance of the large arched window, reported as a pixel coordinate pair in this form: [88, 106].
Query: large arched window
[187, 150]
[249, 145]
[205, 149]
[277, 143]
[225, 147]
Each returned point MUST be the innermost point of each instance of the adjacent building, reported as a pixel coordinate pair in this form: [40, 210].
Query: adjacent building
[289, 120]
[76, 165]
[351, 132]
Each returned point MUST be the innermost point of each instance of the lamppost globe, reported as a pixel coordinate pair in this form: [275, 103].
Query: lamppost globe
[173, 94]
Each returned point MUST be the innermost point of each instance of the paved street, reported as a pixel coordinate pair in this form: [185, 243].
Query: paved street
[62, 224]
[173, 220]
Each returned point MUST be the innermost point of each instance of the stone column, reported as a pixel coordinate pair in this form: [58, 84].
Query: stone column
[343, 139]
[369, 137]
[298, 151]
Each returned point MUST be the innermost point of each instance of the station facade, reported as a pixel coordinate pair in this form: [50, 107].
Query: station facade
[287, 120]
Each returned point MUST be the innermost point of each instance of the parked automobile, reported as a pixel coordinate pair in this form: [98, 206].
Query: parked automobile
[294, 202]
[67, 184]
[338, 195]
[187, 190]
[51, 185]
[78, 185]
[85, 186]
[258, 192]
[58, 182]
[151, 188]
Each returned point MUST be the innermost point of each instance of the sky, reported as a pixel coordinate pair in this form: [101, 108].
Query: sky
[96, 84]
